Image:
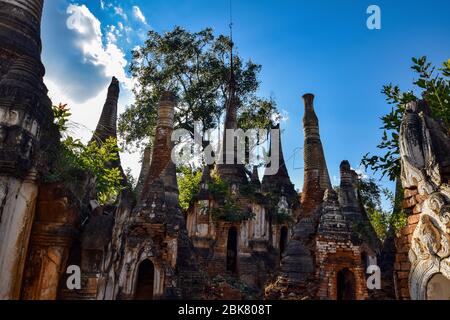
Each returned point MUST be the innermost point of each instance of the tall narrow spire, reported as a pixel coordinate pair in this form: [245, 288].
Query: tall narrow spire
[231, 116]
[107, 125]
[231, 172]
[316, 180]
[348, 192]
[255, 178]
[161, 161]
[280, 182]
[146, 161]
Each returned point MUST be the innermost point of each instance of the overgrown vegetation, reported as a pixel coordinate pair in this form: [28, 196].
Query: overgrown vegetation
[230, 211]
[282, 216]
[218, 283]
[73, 159]
[383, 220]
[188, 184]
[278, 215]
[433, 85]
[227, 210]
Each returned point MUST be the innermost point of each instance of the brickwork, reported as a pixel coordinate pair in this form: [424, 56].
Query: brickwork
[412, 205]
[333, 257]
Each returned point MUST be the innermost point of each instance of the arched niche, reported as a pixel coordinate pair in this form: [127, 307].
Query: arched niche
[145, 283]
[438, 288]
[232, 250]
[346, 285]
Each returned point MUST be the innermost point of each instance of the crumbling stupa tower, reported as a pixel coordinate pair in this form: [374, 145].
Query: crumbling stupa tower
[25, 116]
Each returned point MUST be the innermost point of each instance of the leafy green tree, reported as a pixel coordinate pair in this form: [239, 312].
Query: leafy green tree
[72, 158]
[383, 221]
[188, 184]
[433, 85]
[195, 66]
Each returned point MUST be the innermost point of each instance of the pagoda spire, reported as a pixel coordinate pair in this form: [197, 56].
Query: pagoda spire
[317, 179]
[231, 172]
[107, 125]
[162, 165]
[281, 180]
[231, 108]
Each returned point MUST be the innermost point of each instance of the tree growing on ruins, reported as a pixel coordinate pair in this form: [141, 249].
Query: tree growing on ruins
[196, 67]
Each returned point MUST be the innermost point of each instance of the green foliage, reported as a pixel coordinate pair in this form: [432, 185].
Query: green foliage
[195, 66]
[229, 211]
[279, 216]
[227, 208]
[382, 221]
[131, 180]
[256, 114]
[434, 86]
[282, 217]
[188, 184]
[219, 189]
[61, 115]
[398, 219]
[248, 191]
[222, 281]
[73, 158]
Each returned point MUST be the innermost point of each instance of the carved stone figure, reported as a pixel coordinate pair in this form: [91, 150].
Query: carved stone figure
[425, 157]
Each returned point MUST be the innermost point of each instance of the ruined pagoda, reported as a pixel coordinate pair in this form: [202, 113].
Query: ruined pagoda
[152, 256]
[25, 134]
[317, 179]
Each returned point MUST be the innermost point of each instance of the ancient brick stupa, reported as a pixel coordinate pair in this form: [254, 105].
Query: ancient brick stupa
[326, 257]
[25, 119]
[237, 233]
[152, 256]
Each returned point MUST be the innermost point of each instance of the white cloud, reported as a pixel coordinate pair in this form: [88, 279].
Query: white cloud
[88, 28]
[85, 117]
[111, 36]
[137, 12]
[75, 46]
[119, 11]
[361, 172]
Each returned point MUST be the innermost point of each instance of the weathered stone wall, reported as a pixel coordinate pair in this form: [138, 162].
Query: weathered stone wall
[18, 200]
[55, 227]
[332, 257]
[412, 205]
[25, 119]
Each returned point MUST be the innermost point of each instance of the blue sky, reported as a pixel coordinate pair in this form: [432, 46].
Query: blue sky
[322, 47]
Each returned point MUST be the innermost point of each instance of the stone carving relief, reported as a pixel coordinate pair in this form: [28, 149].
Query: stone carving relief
[421, 168]
[430, 249]
[283, 205]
